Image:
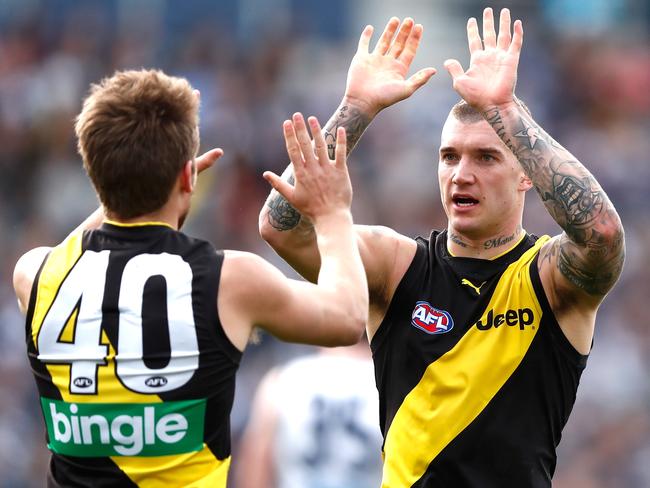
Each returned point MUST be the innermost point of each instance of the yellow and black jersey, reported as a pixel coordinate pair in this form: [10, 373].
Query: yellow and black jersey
[135, 373]
[476, 379]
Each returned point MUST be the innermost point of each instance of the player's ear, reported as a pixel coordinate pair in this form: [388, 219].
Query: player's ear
[525, 183]
[188, 176]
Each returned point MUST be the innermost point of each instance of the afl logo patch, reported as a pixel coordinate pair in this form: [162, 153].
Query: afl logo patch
[82, 382]
[430, 319]
[156, 381]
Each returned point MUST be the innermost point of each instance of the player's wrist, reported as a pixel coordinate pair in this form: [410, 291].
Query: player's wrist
[332, 219]
[501, 106]
[364, 106]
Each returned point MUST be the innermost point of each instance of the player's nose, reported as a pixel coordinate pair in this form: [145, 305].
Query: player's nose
[463, 173]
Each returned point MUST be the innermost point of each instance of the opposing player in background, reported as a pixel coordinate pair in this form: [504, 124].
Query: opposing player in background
[135, 330]
[479, 333]
[314, 423]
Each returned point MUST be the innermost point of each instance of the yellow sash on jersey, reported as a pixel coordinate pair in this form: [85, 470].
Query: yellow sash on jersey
[456, 388]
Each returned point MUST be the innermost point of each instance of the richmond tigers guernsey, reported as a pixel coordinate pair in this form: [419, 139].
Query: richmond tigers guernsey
[476, 379]
[135, 373]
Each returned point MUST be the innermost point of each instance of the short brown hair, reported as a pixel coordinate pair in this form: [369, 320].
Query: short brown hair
[136, 131]
[467, 114]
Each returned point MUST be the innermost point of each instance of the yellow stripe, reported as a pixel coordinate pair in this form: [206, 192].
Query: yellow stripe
[55, 269]
[192, 470]
[136, 224]
[456, 388]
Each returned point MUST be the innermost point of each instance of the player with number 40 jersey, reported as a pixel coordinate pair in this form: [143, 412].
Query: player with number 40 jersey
[134, 329]
[139, 392]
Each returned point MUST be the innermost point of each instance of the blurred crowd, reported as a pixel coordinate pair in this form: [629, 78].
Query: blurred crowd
[585, 73]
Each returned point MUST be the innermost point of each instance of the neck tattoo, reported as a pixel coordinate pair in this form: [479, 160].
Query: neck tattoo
[501, 240]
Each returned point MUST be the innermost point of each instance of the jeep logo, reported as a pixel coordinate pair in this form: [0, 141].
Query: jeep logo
[156, 381]
[521, 317]
[82, 382]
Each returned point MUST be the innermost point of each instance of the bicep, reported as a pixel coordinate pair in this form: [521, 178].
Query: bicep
[578, 274]
[25, 272]
[569, 285]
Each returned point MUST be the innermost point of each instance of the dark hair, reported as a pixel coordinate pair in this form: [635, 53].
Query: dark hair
[135, 132]
[467, 114]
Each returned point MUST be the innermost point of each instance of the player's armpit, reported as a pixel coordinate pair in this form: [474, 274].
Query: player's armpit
[386, 255]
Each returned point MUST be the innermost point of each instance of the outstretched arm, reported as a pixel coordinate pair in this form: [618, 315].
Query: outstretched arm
[582, 264]
[376, 80]
[254, 293]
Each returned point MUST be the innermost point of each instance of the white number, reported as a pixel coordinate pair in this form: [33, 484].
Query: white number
[84, 353]
[83, 289]
[182, 332]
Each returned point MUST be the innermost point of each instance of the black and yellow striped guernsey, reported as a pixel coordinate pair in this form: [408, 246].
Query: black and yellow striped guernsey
[135, 373]
[476, 379]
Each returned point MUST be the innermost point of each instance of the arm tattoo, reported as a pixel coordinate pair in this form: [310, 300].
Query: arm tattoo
[282, 216]
[355, 123]
[590, 254]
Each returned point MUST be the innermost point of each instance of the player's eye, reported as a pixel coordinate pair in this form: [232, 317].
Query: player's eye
[487, 157]
[448, 157]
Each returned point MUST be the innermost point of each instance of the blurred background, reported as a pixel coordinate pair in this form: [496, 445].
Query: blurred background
[585, 73]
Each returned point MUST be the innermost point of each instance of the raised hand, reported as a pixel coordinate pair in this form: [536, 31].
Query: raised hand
[492, 75]
[377, 78]
[322, 186]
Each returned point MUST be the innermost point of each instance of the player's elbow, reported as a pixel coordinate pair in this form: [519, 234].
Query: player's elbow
[273, 237]
[266, 230]
[353, 327]
[612, 235]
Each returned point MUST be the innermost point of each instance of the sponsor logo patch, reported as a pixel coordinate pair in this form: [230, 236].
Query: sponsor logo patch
[124, 429]
[430, 319]
[520, 318]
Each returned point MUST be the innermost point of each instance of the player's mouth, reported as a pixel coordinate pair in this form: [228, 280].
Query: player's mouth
[462, 201]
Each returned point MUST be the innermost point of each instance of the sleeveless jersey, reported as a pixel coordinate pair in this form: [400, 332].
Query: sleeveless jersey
[135, 373]
[327, 433]
[476, 379]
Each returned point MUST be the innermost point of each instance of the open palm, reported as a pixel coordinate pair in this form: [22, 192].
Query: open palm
[377, 78]
[492, 74]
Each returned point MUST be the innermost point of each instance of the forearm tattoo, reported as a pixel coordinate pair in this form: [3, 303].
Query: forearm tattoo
[281, 215]
[355, 123]
[591, 251]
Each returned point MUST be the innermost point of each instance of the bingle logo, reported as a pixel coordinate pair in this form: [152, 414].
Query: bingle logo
[431, 320]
